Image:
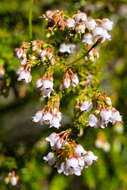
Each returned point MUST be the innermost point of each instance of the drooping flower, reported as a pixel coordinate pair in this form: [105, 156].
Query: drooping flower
[23, 61]
[47, 118]
[90, 157]
[101, 32]
[67, 81]
[37, 117]
[115, 116]
[88, 39]
[80, 28]
[67, 48]
[105, 115]
[86, 106]
[79, 150]
[55, 122]
[64, 48]
[47, 88]
[80, 17]
[49, 14]
[75, 80]
[52, 139]
[25, 76]
[107, 24]
[91, 24]
[50, 158]
[70, 23]
[39, 83]
[19, 52]
[92, 121]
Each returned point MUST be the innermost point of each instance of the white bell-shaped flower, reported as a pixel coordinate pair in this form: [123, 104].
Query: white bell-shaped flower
[52, 139]
[67, 82]
[80, 17]
[25, 76]
[23, 61]
[75, 80]
[107, 24]
[86, 106]
[88, 39]
[79, 150]
[91, 24]
[105, 115]
[37, 117]
[92, 121]
[70, 23]
[39, 83]
[80, 28]
[90, 157]
[19, 53]
[47, 118]
[55, 122]
[115, 116]
[47, 88]
[50, 158]
[64, 48]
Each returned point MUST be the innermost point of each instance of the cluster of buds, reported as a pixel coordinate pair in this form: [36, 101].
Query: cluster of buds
[49, 115]
[24, 71]
[102, 143]
[55, 18]
[45, 85]
[12, 178]
[70, 79]
[31, 54]
[68, 157]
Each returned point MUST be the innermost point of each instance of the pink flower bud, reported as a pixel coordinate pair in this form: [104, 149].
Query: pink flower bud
[66, 81]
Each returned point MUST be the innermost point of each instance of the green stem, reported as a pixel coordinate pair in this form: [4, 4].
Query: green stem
[81, 57]
[30, 20]
[76, 60]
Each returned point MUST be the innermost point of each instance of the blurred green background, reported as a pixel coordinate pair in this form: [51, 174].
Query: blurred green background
[22, 144]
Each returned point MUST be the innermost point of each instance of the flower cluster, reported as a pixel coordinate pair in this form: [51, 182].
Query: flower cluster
[68, 157]
[50, 115]
[55, 18]
[45, 85]
[91, 31]
[12, 178]
[31, 54]
[63, 71]
[70, 79]
[106, 116]
[99, 111]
